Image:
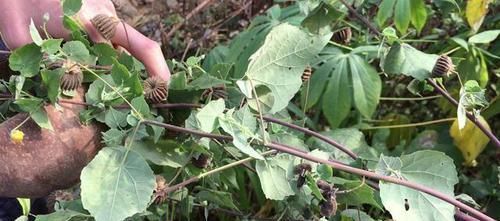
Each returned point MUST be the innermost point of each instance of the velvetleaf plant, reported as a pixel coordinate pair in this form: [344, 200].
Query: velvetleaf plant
[247, 135]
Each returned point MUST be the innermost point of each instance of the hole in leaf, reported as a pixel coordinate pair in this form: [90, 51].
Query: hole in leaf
[407, 205]
[289, 68]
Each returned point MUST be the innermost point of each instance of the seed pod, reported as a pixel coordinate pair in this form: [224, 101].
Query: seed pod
[307, 74]
[105, 25]
[342, 36]
[214, 93]
[301, 170]
[444, 65]
[202, 161]
[155, 90]
[326, 188]
[72, 78]
[55, 65]
[160, 192]
[328, 207]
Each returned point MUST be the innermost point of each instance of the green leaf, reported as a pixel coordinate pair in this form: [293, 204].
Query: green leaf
[117, 184]
[429, 168]
[71, 7]
[51, 80]
[366, 85]
[28, 104]
[78, 52]
[51, 46]
[113, 137]
[356, 215]
[278, 65]
[40, 117]
[206, 81]
[105, 53]
[115, 118]
[207, 116]
[35, 36]
[385, 11]
[349, 137]
[62, 215]
[25, 205]
[26, 60]
[404, 59]
[164, 152]
[220, 198]
[319, 20]
[242, 126]
[418, 14]
[474, 68]
[337, 101]
[140, 104]
[273, 175]
[484, 37]
[402, 15]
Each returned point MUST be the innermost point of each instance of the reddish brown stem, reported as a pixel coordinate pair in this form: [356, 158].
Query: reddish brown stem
[293, 151]
[471, 117]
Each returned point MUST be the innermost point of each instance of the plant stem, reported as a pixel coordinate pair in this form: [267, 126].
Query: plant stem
[314, 134]
[336, 165]
[216, 170]
[358, 16]
[410, 125]
[471, 117]
[262, 129]
[340, 46]
[352, 170]
[4, 52]
[409, 98]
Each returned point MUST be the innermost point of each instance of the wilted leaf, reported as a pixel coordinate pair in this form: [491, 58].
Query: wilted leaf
[470, 140]
[475, 12]
[116, 184]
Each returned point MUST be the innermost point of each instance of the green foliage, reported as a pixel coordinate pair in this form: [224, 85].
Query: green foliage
[260, 72]
[117, 184]
[429, 168]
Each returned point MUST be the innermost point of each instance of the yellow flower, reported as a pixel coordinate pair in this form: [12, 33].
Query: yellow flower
[16, 136]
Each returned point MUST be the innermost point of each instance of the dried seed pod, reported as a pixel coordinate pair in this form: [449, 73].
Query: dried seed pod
[301, 170]
[307, 74]
[72, 78]
[326, 189]
[215, 93]
[155, 90]
[202, 161]
[444, 65]
[55, 65]
[342, 36]
[160, 192]
[328, 207]
[105, 25]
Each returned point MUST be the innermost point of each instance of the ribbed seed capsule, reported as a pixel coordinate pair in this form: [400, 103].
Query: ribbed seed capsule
[328, 207]
[301, 170]
[342, 36]
[307, 74]
[444, 65]
[214, 93]
[202, 161]
[155, 90]
[72, 78]
[105, 25]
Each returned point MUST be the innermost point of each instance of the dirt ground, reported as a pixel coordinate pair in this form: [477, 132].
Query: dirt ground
[189, 26]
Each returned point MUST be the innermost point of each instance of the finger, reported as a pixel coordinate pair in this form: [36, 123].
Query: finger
[142, 48]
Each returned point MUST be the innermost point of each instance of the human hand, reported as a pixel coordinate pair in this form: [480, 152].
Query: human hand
[16, 17]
